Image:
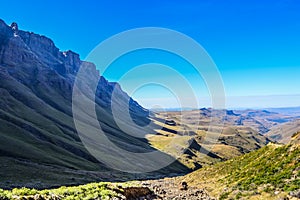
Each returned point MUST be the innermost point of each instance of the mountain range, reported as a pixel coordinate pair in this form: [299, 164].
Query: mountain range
[40, 146]
[38, 138]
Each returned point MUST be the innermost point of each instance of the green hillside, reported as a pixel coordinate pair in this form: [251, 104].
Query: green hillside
[268, 173]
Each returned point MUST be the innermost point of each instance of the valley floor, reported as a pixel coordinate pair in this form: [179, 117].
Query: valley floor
[272, 172]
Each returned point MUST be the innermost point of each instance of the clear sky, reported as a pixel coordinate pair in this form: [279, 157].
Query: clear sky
[254, 43]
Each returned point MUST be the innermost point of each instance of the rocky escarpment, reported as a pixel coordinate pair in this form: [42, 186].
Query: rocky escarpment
[40, 59]
[21, 48]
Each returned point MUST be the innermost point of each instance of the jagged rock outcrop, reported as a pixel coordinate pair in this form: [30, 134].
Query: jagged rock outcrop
[15, 28]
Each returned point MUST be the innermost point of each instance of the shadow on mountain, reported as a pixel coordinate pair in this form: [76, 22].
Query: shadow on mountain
[196, 146]
[40, 146]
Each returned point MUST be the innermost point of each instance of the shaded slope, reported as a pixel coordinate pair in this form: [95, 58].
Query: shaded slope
[36, 121]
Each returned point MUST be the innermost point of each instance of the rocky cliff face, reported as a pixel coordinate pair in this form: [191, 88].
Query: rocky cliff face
[38, 56]
[21, 48]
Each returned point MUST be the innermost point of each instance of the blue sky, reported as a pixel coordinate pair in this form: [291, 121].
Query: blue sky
[255, 44]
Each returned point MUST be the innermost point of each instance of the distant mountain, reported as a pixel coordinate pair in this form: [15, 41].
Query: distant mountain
[295, 111]
[39, 145]
[232, 139]
[261, 120]
[283, 133]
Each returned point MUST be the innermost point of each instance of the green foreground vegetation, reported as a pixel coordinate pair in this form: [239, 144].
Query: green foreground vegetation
[270, 171]
[89, 191]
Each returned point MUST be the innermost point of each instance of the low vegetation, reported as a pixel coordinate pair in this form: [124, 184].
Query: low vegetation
[270, 171]
[85, 192]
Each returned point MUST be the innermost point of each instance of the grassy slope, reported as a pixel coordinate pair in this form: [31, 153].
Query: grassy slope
[256, 175]
[37, 137]
[37, 131]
